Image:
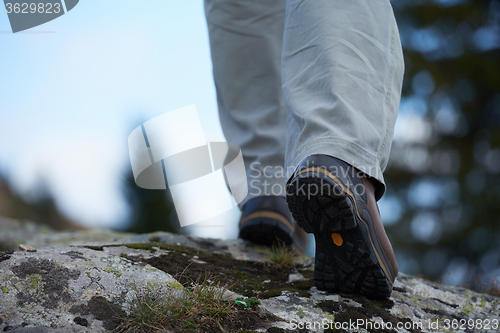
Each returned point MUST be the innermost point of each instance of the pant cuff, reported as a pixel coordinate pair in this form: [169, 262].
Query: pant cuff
[346, 151]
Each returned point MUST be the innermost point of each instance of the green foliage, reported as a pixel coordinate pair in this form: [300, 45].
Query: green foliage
[443, 178]
[160, 307]
[151, 210]
[41, 208]
[248, 302]
[282, 254]
[189, 323]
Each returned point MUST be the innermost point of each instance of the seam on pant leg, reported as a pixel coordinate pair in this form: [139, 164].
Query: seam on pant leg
[387, 103]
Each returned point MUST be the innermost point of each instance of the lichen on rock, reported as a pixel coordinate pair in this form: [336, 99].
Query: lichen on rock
[42, 281]
[88, 287]
[40, 288]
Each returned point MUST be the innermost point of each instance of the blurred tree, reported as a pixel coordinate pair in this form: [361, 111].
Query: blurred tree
[151, 210]
[443, 195]
[41, 208]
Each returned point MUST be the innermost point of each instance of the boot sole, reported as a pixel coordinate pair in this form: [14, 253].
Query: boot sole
[347, 260]
[265, 231]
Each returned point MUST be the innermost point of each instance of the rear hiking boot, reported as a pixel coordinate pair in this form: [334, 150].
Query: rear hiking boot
[267, 220]
[335, 202]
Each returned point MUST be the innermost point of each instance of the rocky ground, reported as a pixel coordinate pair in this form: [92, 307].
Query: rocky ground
[83, 282]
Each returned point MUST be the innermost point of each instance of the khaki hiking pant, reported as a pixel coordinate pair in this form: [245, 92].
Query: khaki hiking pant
[297, 78]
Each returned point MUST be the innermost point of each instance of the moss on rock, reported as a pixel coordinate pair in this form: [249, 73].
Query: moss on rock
[47, 282]
[243, 277]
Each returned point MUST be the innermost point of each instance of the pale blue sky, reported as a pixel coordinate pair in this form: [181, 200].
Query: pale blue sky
[73, 88]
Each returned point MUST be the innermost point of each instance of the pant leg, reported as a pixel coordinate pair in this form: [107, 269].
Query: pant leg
[246, 39]
[342, 71]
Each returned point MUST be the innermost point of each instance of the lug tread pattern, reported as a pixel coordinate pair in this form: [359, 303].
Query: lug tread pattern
[351, 268]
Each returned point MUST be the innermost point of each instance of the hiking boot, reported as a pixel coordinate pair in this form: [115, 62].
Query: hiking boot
[336, 202]
[267, 219]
